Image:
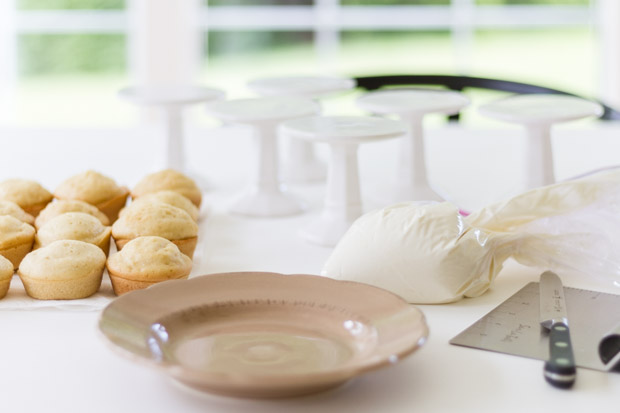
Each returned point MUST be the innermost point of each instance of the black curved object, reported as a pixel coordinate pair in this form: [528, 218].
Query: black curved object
[460, 83]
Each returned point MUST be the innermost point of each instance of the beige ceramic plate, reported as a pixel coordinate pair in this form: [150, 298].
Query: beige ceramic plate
[263, 334]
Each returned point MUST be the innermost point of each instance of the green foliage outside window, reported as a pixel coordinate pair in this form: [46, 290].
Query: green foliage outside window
[69, 4]
[386, 2]
[105, 53]
[533, 2]
[257, 2]
[394, 2]
[60, 53]
[71, 53]
[120, 4]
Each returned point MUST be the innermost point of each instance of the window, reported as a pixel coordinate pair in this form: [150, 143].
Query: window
[70, 57]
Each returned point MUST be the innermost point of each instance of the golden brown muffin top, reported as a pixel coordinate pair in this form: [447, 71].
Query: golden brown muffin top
[53, 209]
[155, 218]
[150, 258]
[6, 269]
[171, 198]
[63, 260]
[72, 225]
[14, 210]
[168, 179]
[90, 186]
[24, 192]
[14, 232]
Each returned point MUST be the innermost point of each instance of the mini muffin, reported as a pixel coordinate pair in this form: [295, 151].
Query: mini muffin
[95, 189]
[158, 219]
[53, 209]
[16, 239]
[29, 195]
[170, 198]
[145, 261]
[14, 210]
[6, 274]
[168, 179]
[77, 226]
[63, 270]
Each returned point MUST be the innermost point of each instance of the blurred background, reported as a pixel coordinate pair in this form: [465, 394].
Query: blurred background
[64, 60]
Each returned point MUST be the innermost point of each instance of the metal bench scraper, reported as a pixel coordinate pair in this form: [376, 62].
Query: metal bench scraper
[513, 327]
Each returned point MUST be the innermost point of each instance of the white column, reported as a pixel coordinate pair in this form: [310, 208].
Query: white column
[165, 41]
[343, 200]
[327, 33]
[539, 156]
[462, 33]
[8, 56]
[412, 162]
[608, 19]
[266, 174]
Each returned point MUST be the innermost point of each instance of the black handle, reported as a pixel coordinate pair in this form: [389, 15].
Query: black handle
[560, 369]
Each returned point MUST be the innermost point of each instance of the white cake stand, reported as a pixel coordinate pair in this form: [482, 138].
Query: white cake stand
[171, 100]
[265, 196]
[537, 113]
[411, 105]
[343, 203]
[301, 164]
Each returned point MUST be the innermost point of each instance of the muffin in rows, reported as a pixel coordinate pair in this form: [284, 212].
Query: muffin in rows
[6, 274]
[53, 209]
[145, 261]
[63, 270]
[16, 239]
[168, 179]
[28, 194]
[14, 210]
[76, 226]
[158, 219]
[171, 198]
[95, 189]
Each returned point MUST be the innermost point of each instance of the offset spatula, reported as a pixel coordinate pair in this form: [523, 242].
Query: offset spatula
[560, 368]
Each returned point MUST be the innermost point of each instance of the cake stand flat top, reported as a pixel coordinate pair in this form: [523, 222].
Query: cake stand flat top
[311, 86]
[414, 101]
[351, 129]
[541, 108]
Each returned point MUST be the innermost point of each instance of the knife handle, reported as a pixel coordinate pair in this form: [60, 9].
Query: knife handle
[560, 369]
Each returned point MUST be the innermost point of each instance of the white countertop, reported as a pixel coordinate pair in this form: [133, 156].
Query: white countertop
[54, 360]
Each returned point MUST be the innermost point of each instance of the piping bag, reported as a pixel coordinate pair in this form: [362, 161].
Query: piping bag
[428, 253]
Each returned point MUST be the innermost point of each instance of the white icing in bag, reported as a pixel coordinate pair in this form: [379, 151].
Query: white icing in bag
[429, 253]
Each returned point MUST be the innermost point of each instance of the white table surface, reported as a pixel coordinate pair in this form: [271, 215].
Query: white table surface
[55, 360]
